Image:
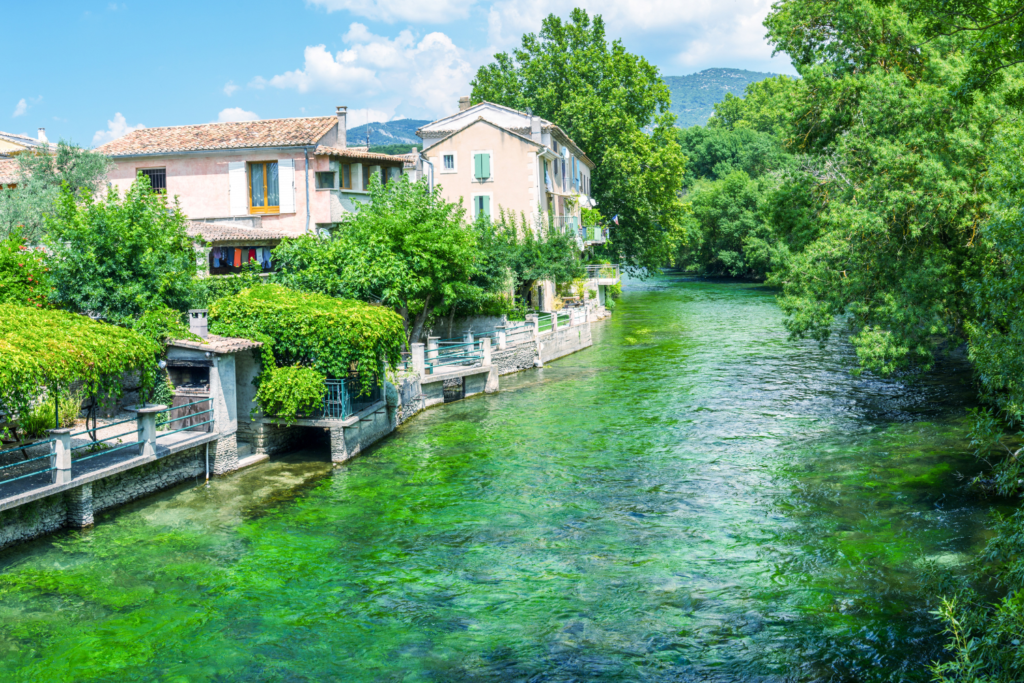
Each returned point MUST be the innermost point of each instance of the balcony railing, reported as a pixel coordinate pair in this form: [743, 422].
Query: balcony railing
[594, 234]
[345, 397]
[603, 272]
[566, 223]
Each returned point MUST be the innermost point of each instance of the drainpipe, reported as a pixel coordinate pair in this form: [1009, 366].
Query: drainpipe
[306, 152]
[207, 462]
[429, 163]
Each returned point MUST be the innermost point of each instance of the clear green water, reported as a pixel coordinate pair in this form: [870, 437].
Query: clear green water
[693, 499]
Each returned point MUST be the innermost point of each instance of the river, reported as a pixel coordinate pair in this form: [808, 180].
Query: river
[695, 498]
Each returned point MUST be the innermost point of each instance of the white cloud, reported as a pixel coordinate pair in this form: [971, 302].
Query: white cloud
[21, 108]
[418, 11]
[232, 114]
[424, 76]
[695, 34]
[115, 129]
[230, 88]
[357, 117]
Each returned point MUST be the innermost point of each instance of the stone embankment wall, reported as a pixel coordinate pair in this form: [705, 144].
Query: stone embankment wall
[516, 358]
[75, 508]
[564, 341]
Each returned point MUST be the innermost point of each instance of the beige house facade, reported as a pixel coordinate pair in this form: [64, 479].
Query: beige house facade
[493, 159]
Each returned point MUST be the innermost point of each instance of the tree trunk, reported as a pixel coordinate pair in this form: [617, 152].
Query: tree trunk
[417, 328]
[404, 312]
[451, 321]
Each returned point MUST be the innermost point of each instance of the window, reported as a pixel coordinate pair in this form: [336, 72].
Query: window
[325, 180]
[482, 206]
[449, 162]
[346, 176]
[264, 194]
[482, 166]
[157, 178]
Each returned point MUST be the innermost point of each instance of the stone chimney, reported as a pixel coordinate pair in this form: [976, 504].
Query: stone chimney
[42, 135]
[342, 127]
[197, 322]
[535, 130]
[464, 103]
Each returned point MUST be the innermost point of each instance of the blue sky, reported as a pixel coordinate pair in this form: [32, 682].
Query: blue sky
[91, 71]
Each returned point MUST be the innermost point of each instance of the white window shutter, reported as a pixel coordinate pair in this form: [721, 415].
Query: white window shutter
[286, 179]
[238, 190]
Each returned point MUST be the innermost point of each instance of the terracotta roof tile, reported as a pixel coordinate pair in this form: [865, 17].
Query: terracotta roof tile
[212, 136]
[217, 344]
[8, 171]
[360, 153]
[230, 232]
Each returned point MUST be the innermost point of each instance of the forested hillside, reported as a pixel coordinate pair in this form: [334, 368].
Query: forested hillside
[401, 132]
[694, 96]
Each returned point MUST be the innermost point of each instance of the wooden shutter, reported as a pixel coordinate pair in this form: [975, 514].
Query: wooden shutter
[486, 202]
[286, 184]
[487, 169]
[238, 188]
[481, 166]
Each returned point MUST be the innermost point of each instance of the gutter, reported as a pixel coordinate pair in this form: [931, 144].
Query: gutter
[306, 151]
[224, 150]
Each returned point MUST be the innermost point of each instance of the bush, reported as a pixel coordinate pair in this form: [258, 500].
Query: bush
[24, 276]
[291, 391]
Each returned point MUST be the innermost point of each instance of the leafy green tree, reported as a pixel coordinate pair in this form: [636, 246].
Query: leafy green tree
[24, 275]
[40, 178]
[615, 107]
[408, 249]
[119, 257]
[715, 152]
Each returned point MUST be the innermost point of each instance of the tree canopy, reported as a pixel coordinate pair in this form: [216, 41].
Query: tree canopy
[614, 105]
[41, 175]
[119, 257]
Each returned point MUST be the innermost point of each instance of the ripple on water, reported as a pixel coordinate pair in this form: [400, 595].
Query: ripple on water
[696, 498]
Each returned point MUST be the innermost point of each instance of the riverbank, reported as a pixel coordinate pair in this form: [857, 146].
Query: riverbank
[694, 497]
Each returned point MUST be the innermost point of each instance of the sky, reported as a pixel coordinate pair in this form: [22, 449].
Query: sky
[89, 72]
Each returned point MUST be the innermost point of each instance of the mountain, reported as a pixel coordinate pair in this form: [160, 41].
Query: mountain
[694, 96]
[402, 131]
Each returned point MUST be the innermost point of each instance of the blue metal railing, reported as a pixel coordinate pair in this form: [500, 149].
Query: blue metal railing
[544, 322]
[103, 446]
[465, 353]
[346, 397]
[563, 319]
[190, 427]
[4, 469]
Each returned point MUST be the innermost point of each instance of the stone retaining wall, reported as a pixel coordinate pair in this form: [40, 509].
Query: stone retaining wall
[515, 358]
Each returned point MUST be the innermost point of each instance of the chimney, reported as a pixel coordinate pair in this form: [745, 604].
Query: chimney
[464, 103]
[535, 131]
[42, 135]
[197, 322]
[342, 127]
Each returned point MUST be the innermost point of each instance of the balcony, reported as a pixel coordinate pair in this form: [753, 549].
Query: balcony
[570, 224]
[604, 274]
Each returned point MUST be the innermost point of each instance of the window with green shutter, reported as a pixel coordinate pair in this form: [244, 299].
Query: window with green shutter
[482, 166]
[481, 206]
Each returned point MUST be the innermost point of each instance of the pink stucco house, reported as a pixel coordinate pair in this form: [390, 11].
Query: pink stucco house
[246, 185]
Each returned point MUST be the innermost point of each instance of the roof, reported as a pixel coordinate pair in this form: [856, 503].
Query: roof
[217, 344]
[512, 120]
[232, 232]
[28, 142]
[350, 153]
[213, 136]
[8, 171]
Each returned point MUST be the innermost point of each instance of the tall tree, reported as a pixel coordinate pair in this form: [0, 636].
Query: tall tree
[41, 175]
[614, 105]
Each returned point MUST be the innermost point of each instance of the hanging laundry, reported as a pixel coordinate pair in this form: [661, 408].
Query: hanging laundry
[252, 254]
[238, 257]
[216, 257]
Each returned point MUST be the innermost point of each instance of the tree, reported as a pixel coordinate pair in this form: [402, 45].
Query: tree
[408, 249]
[614, 105]
[41, 175]
[120, 257]
[24, 275]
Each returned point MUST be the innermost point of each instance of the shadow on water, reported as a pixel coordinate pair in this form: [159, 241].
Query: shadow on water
[693, 499]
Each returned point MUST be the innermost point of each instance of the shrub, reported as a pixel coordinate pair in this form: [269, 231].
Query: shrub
[291, 391]
[24, 276]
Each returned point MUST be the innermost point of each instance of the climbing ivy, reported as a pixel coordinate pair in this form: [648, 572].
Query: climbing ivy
[42, 350]
[333, 337]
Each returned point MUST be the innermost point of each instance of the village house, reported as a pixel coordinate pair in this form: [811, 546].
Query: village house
[10, 146]
[493, 158]
[246, 185]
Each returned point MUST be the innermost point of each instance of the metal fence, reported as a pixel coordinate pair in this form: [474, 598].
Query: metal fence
[545, 322]
[346, 397]
[454, 354]
[16, 470]
[603, 271]
[108, 444]
[187, 417]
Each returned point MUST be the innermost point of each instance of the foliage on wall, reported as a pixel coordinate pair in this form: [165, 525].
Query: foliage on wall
[24, 275]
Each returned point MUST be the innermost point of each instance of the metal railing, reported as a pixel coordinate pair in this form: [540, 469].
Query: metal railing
[564, 319]
[566, 223]
[447, 354]
[603, 271]
[13, 467]
[544, 322]
[190, 427]
[97, 447]
[345, 397]
[594, 234]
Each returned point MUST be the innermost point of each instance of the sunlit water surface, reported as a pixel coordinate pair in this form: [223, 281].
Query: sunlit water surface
[695, 498]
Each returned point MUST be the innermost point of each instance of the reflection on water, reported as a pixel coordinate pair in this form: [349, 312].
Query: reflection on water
[693, 499]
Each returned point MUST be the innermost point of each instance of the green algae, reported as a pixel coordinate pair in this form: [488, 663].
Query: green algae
[714, 504]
